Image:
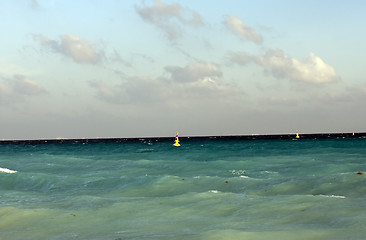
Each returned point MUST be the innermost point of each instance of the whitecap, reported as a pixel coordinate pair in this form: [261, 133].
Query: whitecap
[243, 176]
[214, 191]
[333, 196]
[237, 172]
[6, 170]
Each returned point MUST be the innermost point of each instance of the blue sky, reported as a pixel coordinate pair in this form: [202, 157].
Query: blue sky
[74, 69]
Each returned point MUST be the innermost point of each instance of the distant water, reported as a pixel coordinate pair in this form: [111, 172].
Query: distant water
[205, 189]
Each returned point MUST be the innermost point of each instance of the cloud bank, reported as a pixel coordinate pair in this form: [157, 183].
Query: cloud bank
[196, 81]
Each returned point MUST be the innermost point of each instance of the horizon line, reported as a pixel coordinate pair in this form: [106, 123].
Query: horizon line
[229, 136]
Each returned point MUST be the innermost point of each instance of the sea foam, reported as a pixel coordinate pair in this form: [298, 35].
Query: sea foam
[6, 170]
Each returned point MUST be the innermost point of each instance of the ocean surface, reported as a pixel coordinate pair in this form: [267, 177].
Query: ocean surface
[206, 189]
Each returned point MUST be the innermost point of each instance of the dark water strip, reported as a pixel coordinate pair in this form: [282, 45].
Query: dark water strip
[191, 138]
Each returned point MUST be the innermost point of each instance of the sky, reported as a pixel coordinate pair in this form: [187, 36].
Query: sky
[150, 68]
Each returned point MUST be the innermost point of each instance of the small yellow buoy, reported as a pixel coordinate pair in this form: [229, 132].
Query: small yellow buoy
[176, 141]
[297, 134]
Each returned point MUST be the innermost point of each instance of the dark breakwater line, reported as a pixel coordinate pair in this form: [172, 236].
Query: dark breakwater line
[190, 138]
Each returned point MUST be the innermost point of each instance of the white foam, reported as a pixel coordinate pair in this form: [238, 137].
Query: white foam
[242, 176]
[333, 196]
[6, 170]
[213, 191]
[237, 172]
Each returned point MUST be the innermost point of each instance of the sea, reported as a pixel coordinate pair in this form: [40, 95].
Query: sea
[208, 188]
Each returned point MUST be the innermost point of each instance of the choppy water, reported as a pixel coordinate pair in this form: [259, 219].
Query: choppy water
[205, 189]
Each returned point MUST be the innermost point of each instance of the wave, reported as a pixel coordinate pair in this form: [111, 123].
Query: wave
[6, 170]
[214, 191]
[330, 196]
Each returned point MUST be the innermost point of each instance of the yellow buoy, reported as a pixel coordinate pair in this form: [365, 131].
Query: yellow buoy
[176, 141]
[297, 134]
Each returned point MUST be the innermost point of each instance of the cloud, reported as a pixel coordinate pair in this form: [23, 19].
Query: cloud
[105, 92]
[281, 101]
[240, 58]
[197, 81]
[353, 94]
[116, 57]
[276, 63]
[200, 81]
[34, 4]
[72, 46]
[311, 70]
[15, 88]
[168, 17]
[25, 86]
[134, 90]
[6, 93]
[238, 27]
[194, 72]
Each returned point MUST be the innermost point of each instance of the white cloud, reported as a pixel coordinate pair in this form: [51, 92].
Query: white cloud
[276, 63]
[311, 70]
[79, 49]
[237, 26]
[167, 17]
[72, 46]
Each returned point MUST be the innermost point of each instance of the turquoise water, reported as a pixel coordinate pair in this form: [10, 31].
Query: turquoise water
[205, 189]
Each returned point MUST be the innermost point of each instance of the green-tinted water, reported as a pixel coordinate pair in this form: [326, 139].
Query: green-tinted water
[209, 189]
